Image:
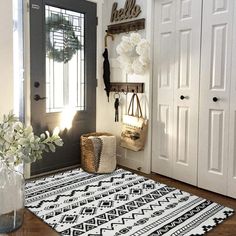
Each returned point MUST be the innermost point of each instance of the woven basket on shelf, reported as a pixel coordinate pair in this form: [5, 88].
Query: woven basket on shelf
[88, 153]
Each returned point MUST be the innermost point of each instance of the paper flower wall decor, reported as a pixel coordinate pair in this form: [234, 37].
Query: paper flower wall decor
[133, 54]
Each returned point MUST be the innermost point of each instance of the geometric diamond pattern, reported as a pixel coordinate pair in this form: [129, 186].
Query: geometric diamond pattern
[69, 219]
[121, 197]
[88, 211]
[136, 191]
[106, 203]
[121, 203]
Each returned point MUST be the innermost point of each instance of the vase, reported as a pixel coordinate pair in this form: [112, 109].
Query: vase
[11, 197]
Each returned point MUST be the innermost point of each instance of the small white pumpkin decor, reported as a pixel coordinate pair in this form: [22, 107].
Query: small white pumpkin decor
[133, 54]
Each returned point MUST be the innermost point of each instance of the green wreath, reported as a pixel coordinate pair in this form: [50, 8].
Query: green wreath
[71, 43]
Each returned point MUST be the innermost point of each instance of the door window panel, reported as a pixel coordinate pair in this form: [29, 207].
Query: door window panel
[65, 81]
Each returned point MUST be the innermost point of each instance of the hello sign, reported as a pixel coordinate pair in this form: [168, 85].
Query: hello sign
[130, 10]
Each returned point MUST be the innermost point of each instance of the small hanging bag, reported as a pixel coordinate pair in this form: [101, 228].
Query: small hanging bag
[134, 128]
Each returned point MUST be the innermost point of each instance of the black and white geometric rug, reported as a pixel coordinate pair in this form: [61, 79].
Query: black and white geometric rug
[121, 203]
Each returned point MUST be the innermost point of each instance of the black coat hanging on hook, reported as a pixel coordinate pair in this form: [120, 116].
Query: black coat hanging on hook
[106, 73]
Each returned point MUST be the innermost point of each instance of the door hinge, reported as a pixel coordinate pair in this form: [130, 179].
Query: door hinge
[96, 20]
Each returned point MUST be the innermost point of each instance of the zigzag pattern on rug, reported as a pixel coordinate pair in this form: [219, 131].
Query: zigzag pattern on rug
[121, 203]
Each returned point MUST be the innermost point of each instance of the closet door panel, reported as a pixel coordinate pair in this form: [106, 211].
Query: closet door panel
[232, 131]
[214, 95]
[186, 90]
[232, 152]
[163, 87]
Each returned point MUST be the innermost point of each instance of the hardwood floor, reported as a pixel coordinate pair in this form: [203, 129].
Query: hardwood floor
[33, 226]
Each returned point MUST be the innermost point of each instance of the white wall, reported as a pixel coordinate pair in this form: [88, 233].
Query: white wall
[105, 110]
[6, 57]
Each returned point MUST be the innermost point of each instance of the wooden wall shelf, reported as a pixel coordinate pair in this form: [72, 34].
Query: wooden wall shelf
[126, 27]
[127, 87]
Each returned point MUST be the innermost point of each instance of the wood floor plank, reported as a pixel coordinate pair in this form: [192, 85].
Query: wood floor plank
[33, 226]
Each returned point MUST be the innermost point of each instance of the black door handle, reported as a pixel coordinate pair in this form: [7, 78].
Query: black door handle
[215, 99]
[37, 97]
[182, 97]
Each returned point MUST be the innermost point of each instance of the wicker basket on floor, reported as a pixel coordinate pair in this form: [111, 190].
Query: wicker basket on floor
[87, 151]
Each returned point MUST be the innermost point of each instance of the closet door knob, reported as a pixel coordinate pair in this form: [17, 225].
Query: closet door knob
[182, 97]
[215, 99]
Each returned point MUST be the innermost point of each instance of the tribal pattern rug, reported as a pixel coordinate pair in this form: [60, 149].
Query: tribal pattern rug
[120, 203]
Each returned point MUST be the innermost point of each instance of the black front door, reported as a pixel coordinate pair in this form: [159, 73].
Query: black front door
[63, 75]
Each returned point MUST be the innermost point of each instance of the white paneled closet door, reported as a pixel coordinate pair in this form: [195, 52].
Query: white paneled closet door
[164, 73]
[215, 94]
[176, 87]
[186, 90]
[232, 122]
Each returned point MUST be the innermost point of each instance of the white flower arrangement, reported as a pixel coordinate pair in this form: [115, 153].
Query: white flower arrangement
[133, 54]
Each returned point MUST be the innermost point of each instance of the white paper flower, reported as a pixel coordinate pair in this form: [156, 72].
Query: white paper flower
[144, 60]
[120, 50]
[127, 46]
[125, 39]
[133, 54]
[135, 38]
[128, 68]
[143, 47]
[137, 67]
[124, 59]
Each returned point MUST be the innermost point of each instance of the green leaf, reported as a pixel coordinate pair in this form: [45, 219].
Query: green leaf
[8, 137]
[47, 133]
[28, 130]
[59, 142]
[46, 149]
[18, 143]
[42, 136]
[5, 125]
[56, 132]
[22, 141]
[52, 147]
